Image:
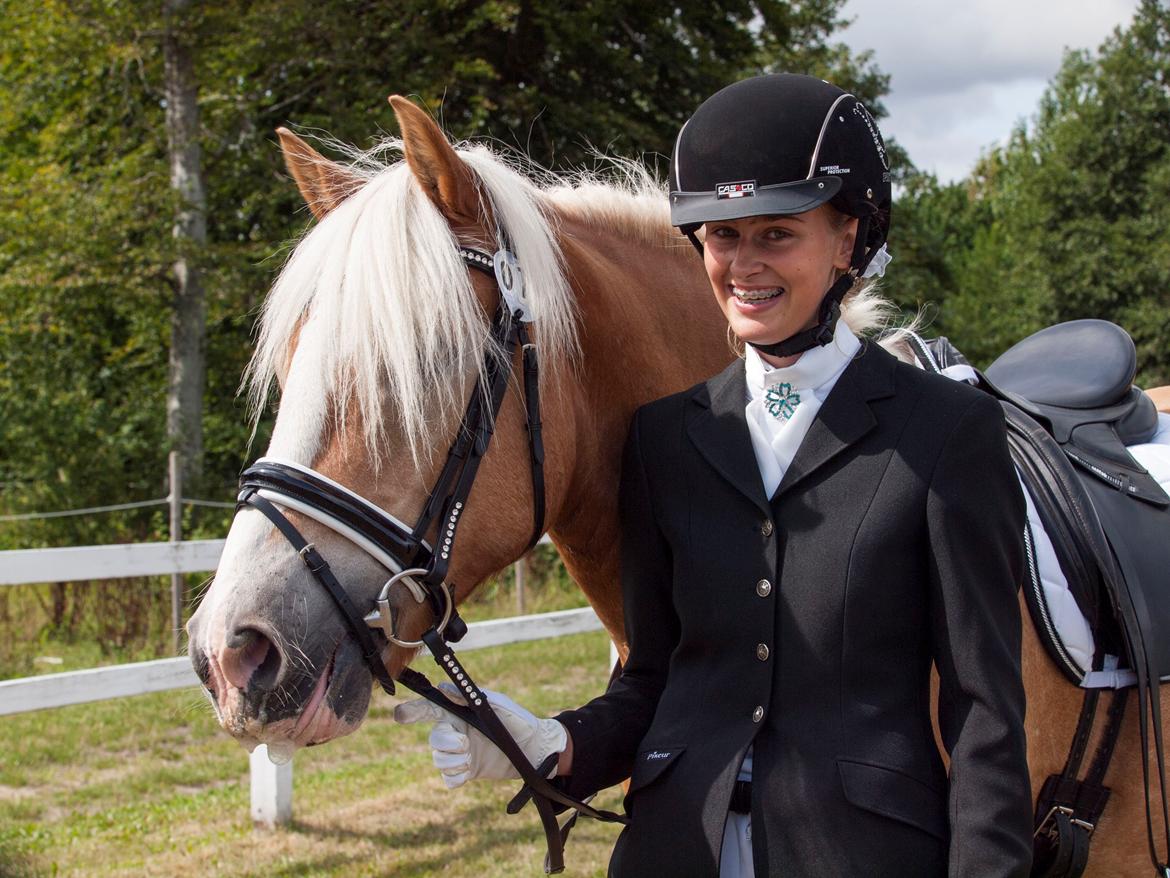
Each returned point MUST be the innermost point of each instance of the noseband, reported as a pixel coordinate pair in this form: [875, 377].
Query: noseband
[420, 567]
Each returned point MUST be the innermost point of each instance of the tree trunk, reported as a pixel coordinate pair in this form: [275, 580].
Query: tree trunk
[189, 314]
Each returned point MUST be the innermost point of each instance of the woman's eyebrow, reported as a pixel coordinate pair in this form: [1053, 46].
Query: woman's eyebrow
[773, 217]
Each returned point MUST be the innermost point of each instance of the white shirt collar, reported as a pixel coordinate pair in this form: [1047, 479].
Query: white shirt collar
[816, 369]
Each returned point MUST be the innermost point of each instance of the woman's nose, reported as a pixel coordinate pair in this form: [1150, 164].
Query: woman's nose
[745, 261]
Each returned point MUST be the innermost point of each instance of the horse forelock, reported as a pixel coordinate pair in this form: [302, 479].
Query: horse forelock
[397, 327]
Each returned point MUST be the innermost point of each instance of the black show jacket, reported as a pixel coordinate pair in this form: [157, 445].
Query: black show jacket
[806, 625]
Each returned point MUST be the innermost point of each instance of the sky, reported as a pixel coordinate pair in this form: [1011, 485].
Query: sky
[962, 75]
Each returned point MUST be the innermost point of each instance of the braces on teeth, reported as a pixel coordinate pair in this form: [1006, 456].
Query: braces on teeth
[756, 295]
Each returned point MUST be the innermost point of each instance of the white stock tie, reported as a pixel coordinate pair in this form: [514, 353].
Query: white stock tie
[785, 401]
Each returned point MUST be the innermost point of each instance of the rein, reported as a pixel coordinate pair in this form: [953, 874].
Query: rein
[422, 568]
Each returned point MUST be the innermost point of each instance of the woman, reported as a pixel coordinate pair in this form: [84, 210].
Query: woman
[803, 535]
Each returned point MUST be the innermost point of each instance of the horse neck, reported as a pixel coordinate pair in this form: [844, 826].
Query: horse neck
[649, 327]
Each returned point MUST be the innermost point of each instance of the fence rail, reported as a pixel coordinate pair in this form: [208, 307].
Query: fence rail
[137, 678]
[23, 566]
[271, 785]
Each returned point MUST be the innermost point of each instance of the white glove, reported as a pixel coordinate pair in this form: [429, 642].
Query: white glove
[462, 753]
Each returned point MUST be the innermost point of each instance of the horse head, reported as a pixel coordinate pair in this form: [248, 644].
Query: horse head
[378, 333]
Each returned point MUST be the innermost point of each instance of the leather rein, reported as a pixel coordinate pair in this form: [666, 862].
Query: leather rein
[421, 568]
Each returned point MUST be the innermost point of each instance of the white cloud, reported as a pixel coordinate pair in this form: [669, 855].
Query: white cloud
[963, 75]
[947, 131]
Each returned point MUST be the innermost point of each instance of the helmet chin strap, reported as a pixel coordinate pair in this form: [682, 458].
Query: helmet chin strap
[830, 309]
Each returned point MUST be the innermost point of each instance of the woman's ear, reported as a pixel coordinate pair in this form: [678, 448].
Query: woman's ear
[846, 238]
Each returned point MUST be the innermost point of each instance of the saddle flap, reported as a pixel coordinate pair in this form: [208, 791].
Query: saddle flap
[1097, 449]
[1081, 364]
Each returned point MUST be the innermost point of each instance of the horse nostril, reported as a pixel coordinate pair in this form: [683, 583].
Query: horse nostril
[250, 660]
[202, 665]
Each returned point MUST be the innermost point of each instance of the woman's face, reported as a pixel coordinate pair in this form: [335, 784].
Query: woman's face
[769, 273]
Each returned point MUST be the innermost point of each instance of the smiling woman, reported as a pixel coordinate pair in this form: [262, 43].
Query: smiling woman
[770, 273]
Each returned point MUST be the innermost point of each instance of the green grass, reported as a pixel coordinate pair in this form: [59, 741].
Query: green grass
[151, 786]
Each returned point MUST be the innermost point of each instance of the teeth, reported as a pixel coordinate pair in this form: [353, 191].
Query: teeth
[756, 295]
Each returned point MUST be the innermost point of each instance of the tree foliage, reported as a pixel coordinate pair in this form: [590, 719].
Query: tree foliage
[85, 228]
[1070, 218]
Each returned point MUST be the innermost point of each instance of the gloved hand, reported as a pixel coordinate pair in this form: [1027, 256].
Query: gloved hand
[462, 753]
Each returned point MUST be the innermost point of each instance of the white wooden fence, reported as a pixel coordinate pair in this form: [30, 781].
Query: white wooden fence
[271, 785]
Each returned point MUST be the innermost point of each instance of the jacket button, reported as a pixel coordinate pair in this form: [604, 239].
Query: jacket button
[762, 651]
[763, 588]
[757, 714]
[766, 528]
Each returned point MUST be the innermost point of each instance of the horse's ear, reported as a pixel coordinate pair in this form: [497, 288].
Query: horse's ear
[444, 177]
[324, 184]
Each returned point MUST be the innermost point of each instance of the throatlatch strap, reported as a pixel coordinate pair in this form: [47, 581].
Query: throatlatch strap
[535, 437]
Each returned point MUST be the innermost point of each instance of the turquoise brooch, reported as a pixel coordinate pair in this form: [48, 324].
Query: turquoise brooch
[781, 401]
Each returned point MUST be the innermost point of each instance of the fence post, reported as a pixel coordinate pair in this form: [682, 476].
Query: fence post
[271, 790]
[175, 499]
[519, 566]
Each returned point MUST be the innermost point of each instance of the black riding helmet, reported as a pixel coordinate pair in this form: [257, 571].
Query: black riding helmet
[784, 144]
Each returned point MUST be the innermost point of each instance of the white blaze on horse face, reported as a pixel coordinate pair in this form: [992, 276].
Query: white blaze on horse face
[300, 422]
[249, 559]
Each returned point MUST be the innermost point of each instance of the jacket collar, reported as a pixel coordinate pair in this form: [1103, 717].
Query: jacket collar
[720, 431]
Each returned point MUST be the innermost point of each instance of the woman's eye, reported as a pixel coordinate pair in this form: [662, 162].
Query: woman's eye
[777, 234]
[723, 232]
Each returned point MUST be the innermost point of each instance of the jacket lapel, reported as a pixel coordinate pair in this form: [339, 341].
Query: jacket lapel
[845, 416]
[720, 432]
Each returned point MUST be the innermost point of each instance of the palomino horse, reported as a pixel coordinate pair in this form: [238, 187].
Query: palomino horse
[375, 331]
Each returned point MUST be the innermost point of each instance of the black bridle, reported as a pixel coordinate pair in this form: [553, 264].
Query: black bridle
[420, 567]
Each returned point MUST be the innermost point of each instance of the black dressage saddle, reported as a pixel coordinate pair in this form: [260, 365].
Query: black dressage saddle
[1076, 381]
[1071, 409]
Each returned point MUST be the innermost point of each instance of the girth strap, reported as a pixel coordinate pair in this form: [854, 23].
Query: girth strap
[1068, 809]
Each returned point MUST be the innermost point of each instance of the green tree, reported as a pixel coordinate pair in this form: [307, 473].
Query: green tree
[82, 289]
[932, 223]
[1069, 219]
[86, 244]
